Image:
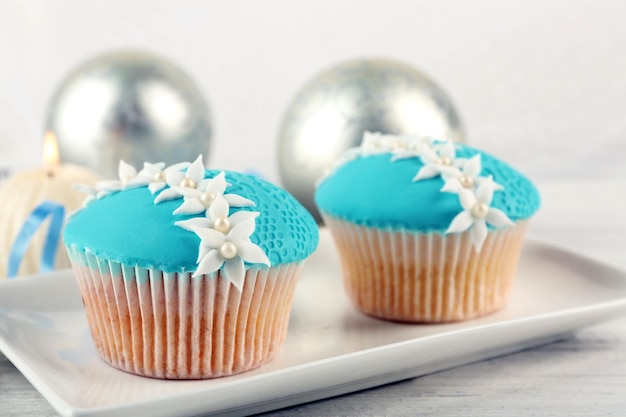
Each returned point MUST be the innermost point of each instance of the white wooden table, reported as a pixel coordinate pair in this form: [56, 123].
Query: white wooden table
[581, 376]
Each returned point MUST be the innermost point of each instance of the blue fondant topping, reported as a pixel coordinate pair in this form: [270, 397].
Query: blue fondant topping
[127, 227]
[376, 192]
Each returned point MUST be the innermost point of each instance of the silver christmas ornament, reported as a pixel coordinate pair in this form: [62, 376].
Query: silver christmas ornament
[331, 112]
[128, 105]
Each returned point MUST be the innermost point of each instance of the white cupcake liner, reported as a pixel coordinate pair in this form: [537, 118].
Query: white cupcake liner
[174, 326]
[426, 277]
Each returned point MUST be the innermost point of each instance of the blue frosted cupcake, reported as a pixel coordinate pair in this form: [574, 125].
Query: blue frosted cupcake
[427, 230]
[188, 273]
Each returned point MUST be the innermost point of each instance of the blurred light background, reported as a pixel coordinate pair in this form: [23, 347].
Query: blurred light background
[539, 83]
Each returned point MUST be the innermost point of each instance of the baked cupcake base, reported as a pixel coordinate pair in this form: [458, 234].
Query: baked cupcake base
[433, 278]
[174, 326]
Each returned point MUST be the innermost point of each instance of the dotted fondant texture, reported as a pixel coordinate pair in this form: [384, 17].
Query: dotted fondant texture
[285, 230]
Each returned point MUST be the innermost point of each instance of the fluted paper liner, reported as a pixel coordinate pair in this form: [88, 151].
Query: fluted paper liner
[175, 326]
[426, 277]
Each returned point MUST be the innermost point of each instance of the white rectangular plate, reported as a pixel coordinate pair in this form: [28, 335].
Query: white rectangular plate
[330, 349]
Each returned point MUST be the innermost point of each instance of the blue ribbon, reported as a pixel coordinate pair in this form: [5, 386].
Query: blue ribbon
[33, 222]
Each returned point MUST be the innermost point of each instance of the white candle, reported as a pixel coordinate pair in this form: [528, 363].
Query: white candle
[21, 193]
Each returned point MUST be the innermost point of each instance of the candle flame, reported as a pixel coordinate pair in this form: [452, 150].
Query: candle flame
[50, 149]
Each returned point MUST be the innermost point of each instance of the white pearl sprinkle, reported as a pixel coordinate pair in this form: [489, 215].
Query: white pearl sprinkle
[466, 181]
[399, 145]
[159, 177]
[207, 198]
[480, 210]
[221, 224]
[444, 161]
[188, 183]
[228, 250]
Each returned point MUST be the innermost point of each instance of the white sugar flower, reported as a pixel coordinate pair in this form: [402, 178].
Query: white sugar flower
[200, 199]
[156, 174]
[467, 176]
[93, 193]
[405, 151]
[217, 218]
[373, 143]
[127, 179]
[400, 146]
[477, 213]
[230, 250]
[193, 178]
[437, 162]
[410, 147]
